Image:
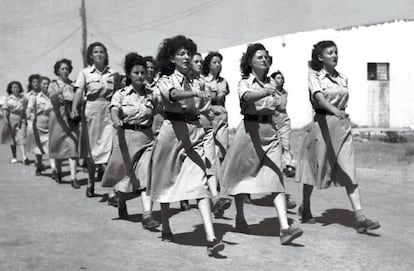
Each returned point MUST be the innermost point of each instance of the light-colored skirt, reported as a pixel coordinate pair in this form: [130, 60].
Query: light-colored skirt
[253, 161]
[220, 131]
[178, 164]
[38, 135]
[327, 154]
[128, 166]
[100, 131]
[16, 132]
[63, 135]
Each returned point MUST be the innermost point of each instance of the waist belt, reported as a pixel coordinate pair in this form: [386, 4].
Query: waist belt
[322, 111]
[258, 118]
[135, 127]
[98, 99]
[181, 117]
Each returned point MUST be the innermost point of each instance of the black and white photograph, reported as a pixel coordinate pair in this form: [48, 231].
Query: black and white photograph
[206, 135]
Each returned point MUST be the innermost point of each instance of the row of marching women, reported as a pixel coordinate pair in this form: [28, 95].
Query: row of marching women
[165, 137]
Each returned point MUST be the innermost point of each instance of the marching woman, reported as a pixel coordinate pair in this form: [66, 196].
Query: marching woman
[253, 162]
[327, 155]
[38, 112]
[63, 130]
[14, 116]
[132, 110]
[218, 89]
[96, 82]
[178, 170]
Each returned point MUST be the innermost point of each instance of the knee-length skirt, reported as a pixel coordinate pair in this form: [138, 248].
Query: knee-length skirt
[220, 131]
[16, 132]
[178, 164]
[63, 134]
[253, 161]
[128, 166]
[327, 154]
[38, 135]
[99, 131]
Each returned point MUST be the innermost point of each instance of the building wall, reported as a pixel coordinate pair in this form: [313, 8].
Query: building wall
[389, 42]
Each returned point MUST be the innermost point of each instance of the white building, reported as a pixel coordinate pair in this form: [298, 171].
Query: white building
[377, 59]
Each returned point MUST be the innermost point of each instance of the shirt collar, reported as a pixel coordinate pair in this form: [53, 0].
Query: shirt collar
[251, 79]
[180, 77]
[323, 73]
[105, 70]
[130, 89]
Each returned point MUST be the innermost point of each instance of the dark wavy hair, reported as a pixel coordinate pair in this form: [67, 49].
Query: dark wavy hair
[31, 78]
[167, 50]
[317, 50]
[245, 62]
[66, 61]
[90, 50]
[206, 64]
[273, 75]
[131, 60]
[9, 87]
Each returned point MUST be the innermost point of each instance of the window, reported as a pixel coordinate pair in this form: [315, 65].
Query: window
[378, 71]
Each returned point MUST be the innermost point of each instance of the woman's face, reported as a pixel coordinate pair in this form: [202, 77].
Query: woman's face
[182, 60]
[98, 55]
[44, 84]
[260, 61]
[15, 89]
[197, 63]
[215, 65]
[63, 71]
[150, 70]
[35, 84]
[137, 75]
[329, 57]
[280, 81]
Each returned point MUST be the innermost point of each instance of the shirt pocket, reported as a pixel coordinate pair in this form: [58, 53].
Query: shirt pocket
[110, 84]
[93, 84]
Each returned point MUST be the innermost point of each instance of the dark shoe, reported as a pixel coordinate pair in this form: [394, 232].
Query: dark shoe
[90, 192]
[241, 226]
[113, 201]
[220, 206]
[290, 234]
[75, 184]
[150, 223]
[166, 236]
[290, 203]
[59, 177]
[289, 171]
[184, 205]
[38, 171]
[306, 215]
[54, 175]
[26, 162]
[214, 247]
[365, 224]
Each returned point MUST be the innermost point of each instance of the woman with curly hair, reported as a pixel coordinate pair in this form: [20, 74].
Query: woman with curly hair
[38, 112]
[179, 170]
[327, 155]
[64, 132]
[14, 120]
[96, 83]
[253, 161]
[132, 111]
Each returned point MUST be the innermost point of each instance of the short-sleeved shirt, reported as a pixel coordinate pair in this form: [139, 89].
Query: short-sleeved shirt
[134, 108]
[15, 105]
[39, 104]
[283, 100]
[266, 105]
[334, 88]
[60, 91]
[179, 81]
[216, 86]
[95, 83]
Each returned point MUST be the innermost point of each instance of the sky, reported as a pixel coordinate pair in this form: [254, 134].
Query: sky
[35, 34]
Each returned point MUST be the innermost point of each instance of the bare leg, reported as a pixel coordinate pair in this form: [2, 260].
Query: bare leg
[146, 203]
[72, 167]
[13, 150]
[165, 217]
[239, 199]
[354, 197]
[53, 164]
[205, 211]
[91, 173]
[280, 205]
[23, 151]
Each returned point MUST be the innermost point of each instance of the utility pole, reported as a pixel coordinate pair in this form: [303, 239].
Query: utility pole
[82, 11]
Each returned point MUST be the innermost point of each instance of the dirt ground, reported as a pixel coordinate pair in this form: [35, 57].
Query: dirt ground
[46, 226]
